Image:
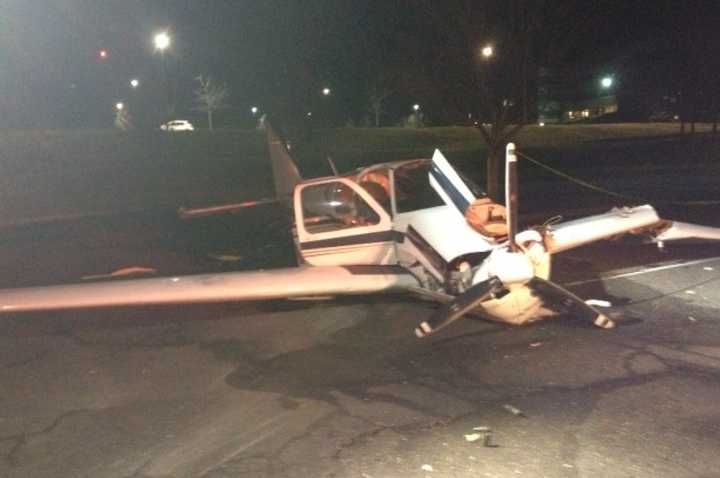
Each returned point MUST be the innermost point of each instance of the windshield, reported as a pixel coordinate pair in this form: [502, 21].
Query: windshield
[413, 190]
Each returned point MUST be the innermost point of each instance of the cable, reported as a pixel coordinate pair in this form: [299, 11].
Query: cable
[613, 193]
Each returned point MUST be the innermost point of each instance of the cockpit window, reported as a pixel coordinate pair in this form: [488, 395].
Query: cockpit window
[335, 206]
[413, 190]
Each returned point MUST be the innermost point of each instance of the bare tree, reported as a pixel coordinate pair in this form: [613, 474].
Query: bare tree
[378, 92]
[122, 119]
[496, 84]
[210, 97]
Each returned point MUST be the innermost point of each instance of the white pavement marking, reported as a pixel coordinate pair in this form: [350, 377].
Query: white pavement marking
[644, 271]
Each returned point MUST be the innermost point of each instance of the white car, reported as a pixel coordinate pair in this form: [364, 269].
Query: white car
[177, 125]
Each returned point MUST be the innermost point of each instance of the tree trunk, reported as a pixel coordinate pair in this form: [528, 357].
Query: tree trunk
[210, 123]
[492, 172]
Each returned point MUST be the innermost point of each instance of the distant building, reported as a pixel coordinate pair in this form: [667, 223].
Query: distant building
[572, 94]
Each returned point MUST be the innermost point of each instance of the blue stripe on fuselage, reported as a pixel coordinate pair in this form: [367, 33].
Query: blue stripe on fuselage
[452, 192]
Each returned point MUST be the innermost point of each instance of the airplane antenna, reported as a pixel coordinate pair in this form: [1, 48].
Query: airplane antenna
[511, 195]
[332, 166]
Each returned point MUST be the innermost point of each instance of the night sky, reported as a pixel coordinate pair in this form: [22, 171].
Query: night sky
[278, 54]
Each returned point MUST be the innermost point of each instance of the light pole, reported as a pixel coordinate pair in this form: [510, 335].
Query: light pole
[134, 83]
[325, 107]
[606, 82]
[162, 42]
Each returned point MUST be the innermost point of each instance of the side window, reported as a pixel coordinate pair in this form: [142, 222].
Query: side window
[333, 207]
[377, 183]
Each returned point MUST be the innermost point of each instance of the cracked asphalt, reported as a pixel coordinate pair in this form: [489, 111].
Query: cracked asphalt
[343, 389]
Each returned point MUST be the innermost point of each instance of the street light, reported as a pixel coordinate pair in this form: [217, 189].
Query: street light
[416, 107]
[119, 106]
[487, 51]
[326, 91]
[134, 83]
[254, 110]
[161, 41]
[606, 82]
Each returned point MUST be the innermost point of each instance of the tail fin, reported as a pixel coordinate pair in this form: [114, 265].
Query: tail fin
[285, 172]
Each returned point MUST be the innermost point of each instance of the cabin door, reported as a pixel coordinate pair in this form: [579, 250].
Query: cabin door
[340, 223]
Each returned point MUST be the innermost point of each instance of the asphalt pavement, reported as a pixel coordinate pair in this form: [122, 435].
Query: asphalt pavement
[342, 388]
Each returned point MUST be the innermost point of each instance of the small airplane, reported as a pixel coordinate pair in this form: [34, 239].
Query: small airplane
[412, 226]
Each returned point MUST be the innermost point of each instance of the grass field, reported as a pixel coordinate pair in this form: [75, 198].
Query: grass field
[51, 174]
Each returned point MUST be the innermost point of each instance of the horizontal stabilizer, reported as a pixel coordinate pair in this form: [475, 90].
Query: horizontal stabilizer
[189, 213]
[223, 287]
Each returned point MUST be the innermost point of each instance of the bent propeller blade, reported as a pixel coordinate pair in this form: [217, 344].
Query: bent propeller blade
[553, 294]
[462, 304]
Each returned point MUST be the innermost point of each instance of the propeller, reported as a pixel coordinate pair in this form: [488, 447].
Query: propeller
[511, 266]
[465, 302]
[554, 295]
[511, 196]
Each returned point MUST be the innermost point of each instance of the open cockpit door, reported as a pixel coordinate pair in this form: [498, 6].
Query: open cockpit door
[340, 223]
[449, 185]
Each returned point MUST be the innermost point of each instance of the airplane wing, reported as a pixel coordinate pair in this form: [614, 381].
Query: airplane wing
[674, 230]
[635, 220]
[229, 286]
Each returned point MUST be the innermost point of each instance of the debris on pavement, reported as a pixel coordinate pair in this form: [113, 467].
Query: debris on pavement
[124, 272]
[514, 410]
[598, 303]
[535, 344]
[486, 434]
[226, 257]
[691, 292]
[708, 268]
[427, 468]
[691, 318]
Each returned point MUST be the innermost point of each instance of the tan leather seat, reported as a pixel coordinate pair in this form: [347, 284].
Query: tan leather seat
[487, 218]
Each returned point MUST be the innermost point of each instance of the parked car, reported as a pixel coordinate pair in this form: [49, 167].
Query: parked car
[177, 125]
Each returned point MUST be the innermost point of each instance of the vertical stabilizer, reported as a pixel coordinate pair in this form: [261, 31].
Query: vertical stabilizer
[285, 172]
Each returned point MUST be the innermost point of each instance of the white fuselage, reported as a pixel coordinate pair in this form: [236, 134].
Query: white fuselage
[429, 241]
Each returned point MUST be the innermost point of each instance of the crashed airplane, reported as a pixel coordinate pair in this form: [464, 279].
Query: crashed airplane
[412, 226]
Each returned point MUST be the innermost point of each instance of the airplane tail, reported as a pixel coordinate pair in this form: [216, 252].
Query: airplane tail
[285, 177]
[285, 172]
